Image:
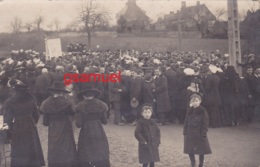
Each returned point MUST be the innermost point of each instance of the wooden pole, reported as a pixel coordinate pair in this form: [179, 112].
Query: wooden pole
[179, 31]
[234, 36]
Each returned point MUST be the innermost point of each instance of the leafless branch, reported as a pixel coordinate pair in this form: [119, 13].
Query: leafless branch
[16, 25]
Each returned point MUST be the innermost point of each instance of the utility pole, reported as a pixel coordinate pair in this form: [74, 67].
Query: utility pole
[234, 36]
[179, 23]
[179, 31]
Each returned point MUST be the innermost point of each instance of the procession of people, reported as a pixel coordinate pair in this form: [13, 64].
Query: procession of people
[196, 89]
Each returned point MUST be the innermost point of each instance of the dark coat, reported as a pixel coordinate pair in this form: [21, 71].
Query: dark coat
[61, 143]
[195, 131]
[92, 144]
[172, 81]
[30, 81]
[212, 95]
[148, 95]
[184, 83]
[114, 94]
[136, 89]
[42, 83]
[147, 131]
[229, 89]
[161, 94]
[256, 90]
[21, 114]
[5, 93]
[125, 95]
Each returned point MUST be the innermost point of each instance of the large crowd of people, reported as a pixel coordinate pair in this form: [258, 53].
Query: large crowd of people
[164, 80]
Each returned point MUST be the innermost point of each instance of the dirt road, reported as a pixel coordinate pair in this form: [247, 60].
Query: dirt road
[231, 146]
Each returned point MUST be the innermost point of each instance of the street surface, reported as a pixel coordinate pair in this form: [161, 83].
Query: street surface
[231, 146]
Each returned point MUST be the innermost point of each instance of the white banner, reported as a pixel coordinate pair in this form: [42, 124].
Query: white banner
[53, 48]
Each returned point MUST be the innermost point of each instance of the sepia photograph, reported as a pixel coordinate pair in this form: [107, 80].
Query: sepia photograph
[129, 83]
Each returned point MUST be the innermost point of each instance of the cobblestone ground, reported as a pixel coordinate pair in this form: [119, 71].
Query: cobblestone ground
[231, 146]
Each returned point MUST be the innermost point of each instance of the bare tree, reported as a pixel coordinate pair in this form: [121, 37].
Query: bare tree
[57, 24]
[38, 21]
[50, 26]
[28, 26]
[16, 25]
[201, 19]
[252, 7]
[197, 18]
[220, 13]
[242, 15]
[92, 15]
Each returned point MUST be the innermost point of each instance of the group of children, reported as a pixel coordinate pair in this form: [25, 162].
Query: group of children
[195, 134]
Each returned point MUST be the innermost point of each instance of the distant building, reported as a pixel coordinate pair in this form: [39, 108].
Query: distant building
[194, 18]
[250, 30]
[132, 18]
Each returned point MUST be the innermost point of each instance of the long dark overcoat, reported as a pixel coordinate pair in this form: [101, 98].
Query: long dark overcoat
[92, 144]
[125, 95]
[212, 99]
[181, 99]
[136, 89]
[195, 131]
[61, 143]
[212, 95]
[21, 114]
[148, 96]
[161, 94]
[147, 131]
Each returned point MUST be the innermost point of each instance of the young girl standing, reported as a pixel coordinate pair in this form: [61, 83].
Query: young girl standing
[148, 135]
[195, 131]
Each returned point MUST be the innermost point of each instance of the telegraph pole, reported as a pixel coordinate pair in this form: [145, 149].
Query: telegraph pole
[234, 36]
[179, 31]
[179, 23]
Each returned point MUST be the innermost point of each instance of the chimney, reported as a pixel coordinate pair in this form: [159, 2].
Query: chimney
[198, 3]
[172, 12]
[183, 4]
[131, 2]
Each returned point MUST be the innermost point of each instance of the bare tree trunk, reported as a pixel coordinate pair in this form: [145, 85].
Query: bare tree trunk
[89, 38]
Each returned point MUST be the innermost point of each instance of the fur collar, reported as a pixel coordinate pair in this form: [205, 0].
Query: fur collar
[55, 104]
[91, 106]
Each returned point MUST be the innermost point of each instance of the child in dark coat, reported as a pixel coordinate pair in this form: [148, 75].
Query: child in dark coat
[195, 131]
[148, 135]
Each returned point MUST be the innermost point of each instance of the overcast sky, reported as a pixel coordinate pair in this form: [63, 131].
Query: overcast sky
[66, 11]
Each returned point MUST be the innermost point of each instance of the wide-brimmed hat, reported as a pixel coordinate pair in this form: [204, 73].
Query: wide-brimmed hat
[134, 103]
[20, 86]
[58, 87]
[189, 71]
[19, 68]
[213, 68]
[88, 93]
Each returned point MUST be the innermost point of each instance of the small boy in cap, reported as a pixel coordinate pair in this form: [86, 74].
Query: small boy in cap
[148, 135]
[195, 131]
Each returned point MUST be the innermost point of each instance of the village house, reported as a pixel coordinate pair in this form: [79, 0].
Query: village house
[192, 18]
[132, 19]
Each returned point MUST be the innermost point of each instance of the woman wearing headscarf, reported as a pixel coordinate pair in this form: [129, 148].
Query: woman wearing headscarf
[93, 149]
[21, 116]
[56, 113]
